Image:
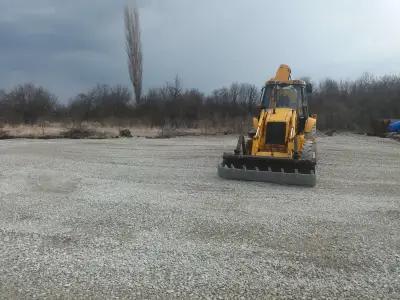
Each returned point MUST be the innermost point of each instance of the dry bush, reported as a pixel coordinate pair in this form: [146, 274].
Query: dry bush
[125, 133]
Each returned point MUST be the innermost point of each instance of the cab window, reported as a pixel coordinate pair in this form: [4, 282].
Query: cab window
[288, 96]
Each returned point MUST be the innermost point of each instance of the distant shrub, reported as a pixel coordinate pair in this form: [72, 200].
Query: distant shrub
[125, 133]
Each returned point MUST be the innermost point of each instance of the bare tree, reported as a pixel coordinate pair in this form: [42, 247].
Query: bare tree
[28, 104]
[175, 88]
[134, 49]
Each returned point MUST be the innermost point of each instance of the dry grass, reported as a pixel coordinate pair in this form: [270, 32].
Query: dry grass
[32, 131]
[98, 131]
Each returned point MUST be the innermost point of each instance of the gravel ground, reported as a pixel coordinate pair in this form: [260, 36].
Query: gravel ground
[138, 218]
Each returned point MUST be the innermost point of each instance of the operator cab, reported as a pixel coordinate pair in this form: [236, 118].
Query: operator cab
[287, 95]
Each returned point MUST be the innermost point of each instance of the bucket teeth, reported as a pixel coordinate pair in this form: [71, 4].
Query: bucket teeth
[281, 171]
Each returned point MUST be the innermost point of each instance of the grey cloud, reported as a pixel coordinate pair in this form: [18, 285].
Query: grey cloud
[68, 46]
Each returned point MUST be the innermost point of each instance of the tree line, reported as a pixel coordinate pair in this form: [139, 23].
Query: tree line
[355, 105]
[170, 105]
[340, 105]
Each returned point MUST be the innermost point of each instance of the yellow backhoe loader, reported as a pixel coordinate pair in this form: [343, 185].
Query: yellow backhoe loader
[281, 147]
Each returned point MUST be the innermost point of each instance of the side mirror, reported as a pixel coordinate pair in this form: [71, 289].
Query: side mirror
[309, 88]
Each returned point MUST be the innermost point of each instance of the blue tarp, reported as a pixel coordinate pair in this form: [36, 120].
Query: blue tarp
[394, 126]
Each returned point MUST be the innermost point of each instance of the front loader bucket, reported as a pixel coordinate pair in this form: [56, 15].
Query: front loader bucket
[265, 169]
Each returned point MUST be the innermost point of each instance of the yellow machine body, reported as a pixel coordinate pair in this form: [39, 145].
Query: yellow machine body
[281, 146]
[294, 136]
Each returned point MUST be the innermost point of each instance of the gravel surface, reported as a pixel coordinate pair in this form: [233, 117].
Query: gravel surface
[138, 218]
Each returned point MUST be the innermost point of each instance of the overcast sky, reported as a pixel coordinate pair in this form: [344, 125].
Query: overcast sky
[69, 46]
